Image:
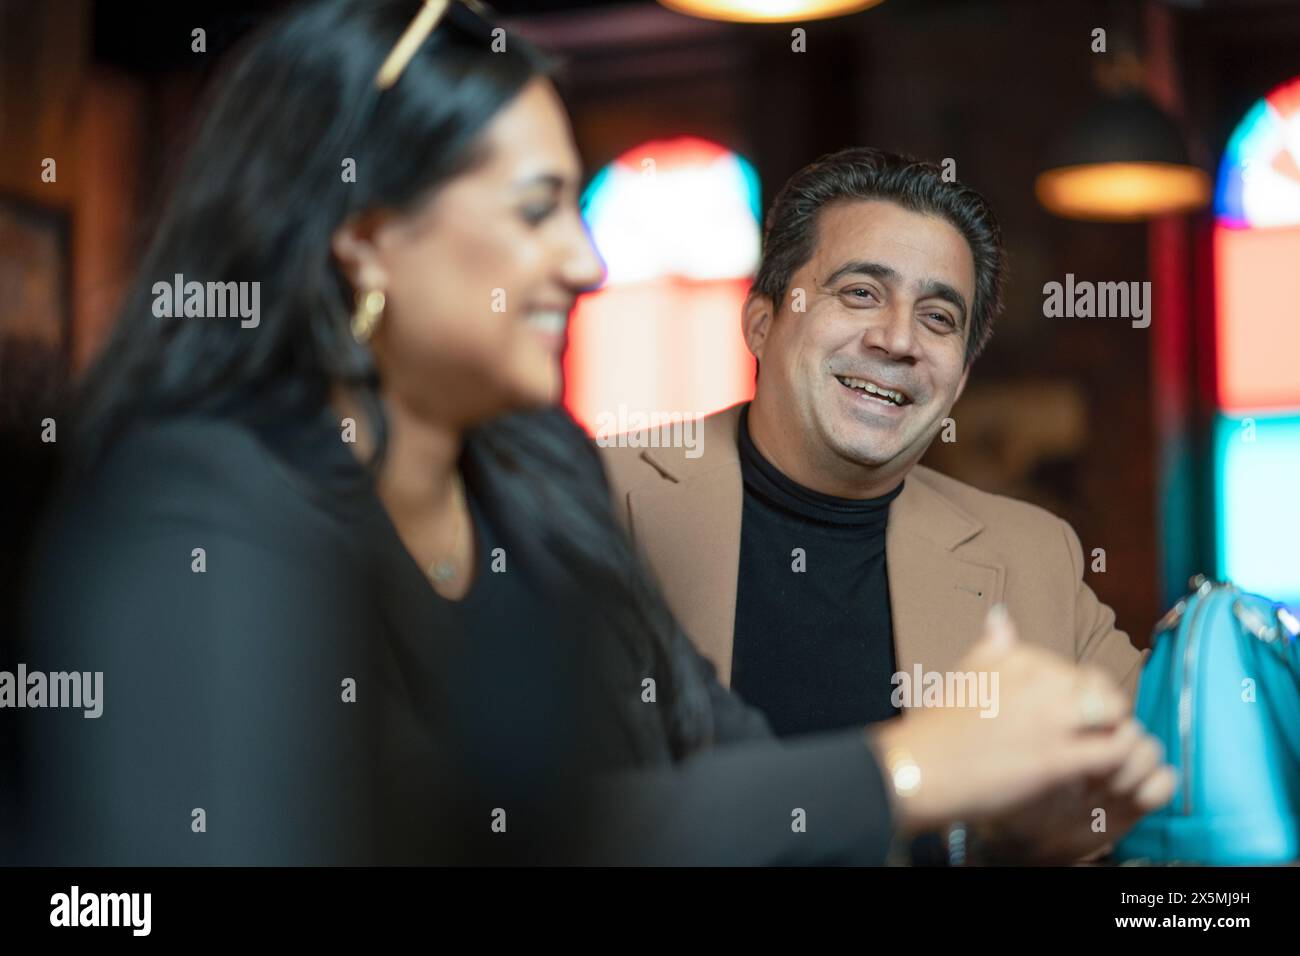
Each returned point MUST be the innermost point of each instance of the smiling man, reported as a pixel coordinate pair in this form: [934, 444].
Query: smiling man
[805, 551]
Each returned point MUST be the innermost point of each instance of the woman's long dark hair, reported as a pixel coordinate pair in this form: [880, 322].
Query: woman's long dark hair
[259, 198]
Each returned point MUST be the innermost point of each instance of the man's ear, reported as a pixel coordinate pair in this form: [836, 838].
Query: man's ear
[756, 320]
[356, 251]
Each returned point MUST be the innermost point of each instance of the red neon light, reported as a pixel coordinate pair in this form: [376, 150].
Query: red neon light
[668, 346]
[1257, 325]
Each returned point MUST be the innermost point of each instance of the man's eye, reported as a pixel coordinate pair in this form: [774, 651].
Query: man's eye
[863, 294]
[942, 318]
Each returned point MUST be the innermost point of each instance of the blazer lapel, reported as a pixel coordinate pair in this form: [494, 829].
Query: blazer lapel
[688, 526]
[938, 600]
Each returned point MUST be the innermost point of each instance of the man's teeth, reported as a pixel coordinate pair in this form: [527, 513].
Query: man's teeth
[884, 394]
[551, 321]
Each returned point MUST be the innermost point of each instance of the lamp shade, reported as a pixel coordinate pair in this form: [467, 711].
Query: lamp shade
[1124, 161]
[768, 11]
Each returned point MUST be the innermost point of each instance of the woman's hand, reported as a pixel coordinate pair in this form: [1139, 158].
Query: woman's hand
[1056, 725]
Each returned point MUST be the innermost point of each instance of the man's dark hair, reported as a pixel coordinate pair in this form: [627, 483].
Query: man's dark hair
[790, 232]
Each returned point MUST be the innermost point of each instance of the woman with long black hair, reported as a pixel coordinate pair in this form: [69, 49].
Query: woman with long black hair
[348, 573]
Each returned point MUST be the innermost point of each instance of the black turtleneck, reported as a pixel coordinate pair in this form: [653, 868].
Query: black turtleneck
[814, 648]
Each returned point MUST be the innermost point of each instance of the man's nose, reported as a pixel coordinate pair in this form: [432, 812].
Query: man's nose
[893, 332]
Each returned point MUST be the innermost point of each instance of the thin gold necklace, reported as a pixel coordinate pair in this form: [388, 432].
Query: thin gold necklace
[440, 571]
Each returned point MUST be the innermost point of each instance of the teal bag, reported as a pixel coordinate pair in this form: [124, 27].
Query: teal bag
[1221, 690]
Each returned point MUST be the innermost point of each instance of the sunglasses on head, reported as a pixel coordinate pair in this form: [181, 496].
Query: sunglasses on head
[471, 15]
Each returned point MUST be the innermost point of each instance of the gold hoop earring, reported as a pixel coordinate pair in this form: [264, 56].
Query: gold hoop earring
[369, 311]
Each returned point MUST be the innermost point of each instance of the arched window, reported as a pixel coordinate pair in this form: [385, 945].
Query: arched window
[677, 224]
[1257, 349]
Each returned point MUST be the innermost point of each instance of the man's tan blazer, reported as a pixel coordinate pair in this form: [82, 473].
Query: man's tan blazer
[951, 551]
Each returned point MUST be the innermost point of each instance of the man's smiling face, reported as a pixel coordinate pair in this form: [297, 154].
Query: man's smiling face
[858, 385]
